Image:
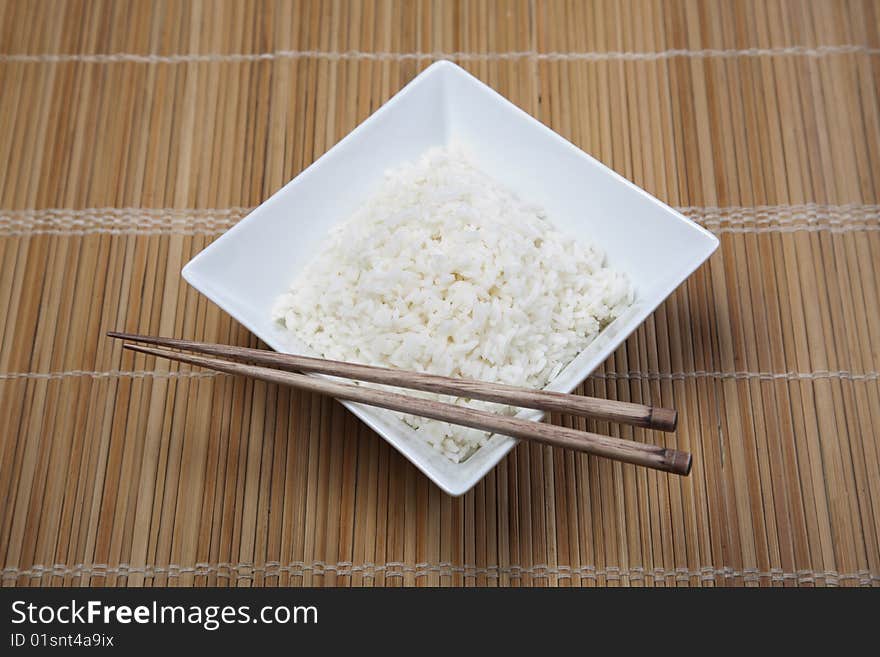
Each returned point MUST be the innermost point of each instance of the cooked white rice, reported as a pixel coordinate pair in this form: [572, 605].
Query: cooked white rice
[443, 270]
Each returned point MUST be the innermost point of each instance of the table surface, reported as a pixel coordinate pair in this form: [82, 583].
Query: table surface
[133, 133]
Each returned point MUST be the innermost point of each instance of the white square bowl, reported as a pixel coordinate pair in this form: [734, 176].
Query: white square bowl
[246, 269]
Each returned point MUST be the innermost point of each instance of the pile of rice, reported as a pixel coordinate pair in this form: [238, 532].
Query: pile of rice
[445, 271]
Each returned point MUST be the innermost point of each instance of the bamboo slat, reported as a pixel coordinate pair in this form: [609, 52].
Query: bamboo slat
[132, 134]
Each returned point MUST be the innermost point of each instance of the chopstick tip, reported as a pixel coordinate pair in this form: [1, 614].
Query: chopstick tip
[142, 349]
[678, 462]
[664, 419]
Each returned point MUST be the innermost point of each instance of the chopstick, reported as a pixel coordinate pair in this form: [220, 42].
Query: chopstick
[649, 417]
[628, 451]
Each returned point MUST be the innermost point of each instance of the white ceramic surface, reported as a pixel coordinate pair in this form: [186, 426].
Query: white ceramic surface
[245, 269]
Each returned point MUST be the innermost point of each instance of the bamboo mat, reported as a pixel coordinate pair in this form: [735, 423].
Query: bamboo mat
[133, 133]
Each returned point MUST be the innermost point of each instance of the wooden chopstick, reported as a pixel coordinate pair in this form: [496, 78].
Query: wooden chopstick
[628, 451]
[664, 419]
